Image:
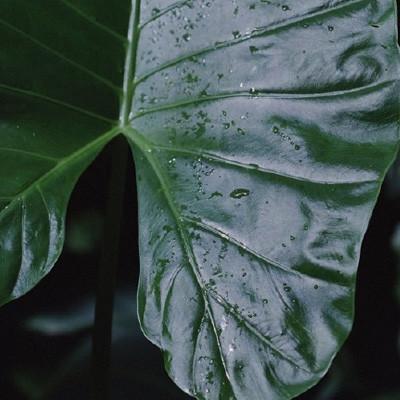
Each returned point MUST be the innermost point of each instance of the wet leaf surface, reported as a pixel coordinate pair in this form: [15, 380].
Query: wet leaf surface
[261, 134]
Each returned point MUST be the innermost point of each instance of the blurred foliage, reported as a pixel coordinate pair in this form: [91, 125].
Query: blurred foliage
[69, 377]
[393, 184]
[396, 248]
[84, 232]
[74, 368]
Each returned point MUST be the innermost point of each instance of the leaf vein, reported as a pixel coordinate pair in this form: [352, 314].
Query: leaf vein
[93, 21]
[229, 238]
[171, 7]
[60, 55]
[266, 95]
[250, 167]
[42, 97]
[251, 328]
[29, 153]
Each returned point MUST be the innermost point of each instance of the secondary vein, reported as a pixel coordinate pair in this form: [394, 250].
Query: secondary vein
[93, 21]
[42, 97]
[59, 55]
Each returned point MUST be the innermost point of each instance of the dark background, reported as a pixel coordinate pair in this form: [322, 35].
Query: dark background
[45, 335]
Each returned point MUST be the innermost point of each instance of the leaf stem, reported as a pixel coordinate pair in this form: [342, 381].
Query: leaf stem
[102, 333]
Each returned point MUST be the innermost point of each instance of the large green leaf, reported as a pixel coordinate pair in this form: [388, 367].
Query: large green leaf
[261, 132]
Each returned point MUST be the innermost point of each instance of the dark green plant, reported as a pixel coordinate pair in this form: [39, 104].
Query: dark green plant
[261, 133]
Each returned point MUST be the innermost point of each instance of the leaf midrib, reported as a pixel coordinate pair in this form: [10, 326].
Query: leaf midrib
[128, 89]
[147, 149]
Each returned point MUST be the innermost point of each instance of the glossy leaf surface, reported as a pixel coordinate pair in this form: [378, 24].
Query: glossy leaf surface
[261, 133]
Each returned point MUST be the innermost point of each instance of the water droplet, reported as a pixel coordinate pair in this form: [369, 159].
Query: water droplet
[236, 34]
[240, 131]
[275, 129]
[253, 91]
[296, 147]
[186, 37]
[316, 287]
[330, 28]
[253, 49]
[239, 193]
[215, 194]
[231, 348]
[285, 8]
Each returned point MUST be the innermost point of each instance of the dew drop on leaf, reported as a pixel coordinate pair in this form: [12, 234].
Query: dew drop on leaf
[253, 91]
[236, 34]
[239, 193]
[253, 49]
